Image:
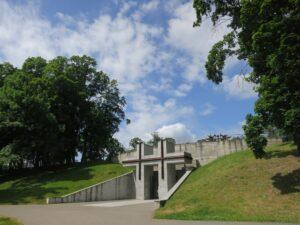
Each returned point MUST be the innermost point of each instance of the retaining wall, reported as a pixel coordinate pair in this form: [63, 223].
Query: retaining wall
[206, 151]
[122, 187]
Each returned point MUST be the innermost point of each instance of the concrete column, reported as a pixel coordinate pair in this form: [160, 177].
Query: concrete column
[139, 184]
[171, 175]
[162, 184]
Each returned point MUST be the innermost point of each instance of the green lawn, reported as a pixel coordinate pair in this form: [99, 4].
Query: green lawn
[9, 221]
[37, 187]
[239, 187]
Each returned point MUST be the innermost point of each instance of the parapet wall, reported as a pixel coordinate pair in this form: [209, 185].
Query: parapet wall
[122, 187]
[206, 151]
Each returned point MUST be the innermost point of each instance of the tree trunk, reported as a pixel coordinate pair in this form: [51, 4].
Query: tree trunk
[84, 154]
[296, 138]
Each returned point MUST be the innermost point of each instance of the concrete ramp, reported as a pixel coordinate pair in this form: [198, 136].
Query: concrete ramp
[174, 188]
[118, 188]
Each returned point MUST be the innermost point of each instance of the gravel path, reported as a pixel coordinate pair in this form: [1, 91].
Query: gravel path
[109, 213]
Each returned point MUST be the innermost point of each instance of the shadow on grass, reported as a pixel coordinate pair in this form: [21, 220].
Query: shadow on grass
[34, 187]
[29, 172]
[281, 151]
[289, 183]
[25, 196]
[282, 154]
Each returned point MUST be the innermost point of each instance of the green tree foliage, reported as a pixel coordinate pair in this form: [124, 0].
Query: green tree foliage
[155, 139]
[265, 33]
[134, 141]
[51, 110]
[254, 135]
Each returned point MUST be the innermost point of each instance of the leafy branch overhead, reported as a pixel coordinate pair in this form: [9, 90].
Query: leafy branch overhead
[266, 34]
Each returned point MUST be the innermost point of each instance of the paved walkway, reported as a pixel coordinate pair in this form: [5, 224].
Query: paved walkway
[109, 213]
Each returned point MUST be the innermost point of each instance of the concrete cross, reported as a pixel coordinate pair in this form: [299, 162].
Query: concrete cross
[152, 163]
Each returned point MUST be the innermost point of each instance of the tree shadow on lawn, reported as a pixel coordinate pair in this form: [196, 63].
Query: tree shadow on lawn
[289, 183]
[31, 195]
[77, 171]
[33, 187]
[282, 153]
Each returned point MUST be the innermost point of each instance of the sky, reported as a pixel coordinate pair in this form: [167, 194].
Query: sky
[150, 48]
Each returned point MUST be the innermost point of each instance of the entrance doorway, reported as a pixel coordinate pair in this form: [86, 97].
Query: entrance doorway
[154, 185]
[151, 182]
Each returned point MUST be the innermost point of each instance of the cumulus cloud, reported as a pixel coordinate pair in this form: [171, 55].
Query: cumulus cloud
[183, 89]
[149, 6]
[149, 114]
[238, 87]
[128, 50]
[207, 109]
[178, 131]
[194, 42]
[122, 45]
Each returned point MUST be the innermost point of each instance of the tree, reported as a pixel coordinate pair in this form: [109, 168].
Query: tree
[266, 34]
[5, 70]
[113, 149]
[51, 110]
[155, 139]
[254, 135]
[134, 142]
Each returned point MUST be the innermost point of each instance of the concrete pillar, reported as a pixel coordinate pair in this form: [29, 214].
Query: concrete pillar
[171, 175]
[139, 183]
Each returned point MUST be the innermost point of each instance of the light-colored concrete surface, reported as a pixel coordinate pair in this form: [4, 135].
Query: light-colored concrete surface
[80, 214]
[120, 203]
[121, 187]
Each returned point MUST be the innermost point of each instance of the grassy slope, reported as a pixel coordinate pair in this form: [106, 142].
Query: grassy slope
[8, 221]
[35, 188]
[240, 187]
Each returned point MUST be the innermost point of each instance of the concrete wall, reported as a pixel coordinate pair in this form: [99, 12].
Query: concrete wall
[206, 151]
[122, 187]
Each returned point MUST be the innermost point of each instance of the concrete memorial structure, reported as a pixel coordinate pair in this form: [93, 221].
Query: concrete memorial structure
[157, 168]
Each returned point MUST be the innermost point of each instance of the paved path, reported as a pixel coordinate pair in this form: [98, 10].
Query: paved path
[109, 213]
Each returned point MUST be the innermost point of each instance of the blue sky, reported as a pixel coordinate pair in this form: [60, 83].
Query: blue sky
[153, 51]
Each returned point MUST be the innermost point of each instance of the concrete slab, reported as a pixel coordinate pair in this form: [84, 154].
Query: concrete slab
[80, 214]
[120, 203]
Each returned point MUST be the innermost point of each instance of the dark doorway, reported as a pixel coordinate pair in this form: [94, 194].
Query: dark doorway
[154, 185]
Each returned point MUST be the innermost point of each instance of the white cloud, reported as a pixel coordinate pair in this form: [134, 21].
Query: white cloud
[23, 34]
[127, 49]
[178, 131]
[183, 89]
[237, 87]
[199, 40]
[145, 9]
[149, 114]
[122, 45]
[195, 42]
[151, 5]
[207, 109]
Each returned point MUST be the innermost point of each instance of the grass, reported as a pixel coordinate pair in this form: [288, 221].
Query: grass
[239, 187]
[9, 221]
[35, 188]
